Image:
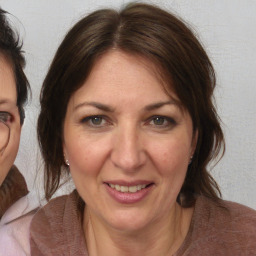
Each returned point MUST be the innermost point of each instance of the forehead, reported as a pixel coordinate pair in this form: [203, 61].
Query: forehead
[117, 72]
[8, 93]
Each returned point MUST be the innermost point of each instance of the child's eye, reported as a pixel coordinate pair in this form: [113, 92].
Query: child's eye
[5, 117]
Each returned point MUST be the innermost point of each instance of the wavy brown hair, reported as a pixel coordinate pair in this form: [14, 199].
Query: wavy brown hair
[181, 61]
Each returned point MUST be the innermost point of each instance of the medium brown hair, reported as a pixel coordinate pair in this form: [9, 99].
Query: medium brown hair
[11, 48]
[166, 41]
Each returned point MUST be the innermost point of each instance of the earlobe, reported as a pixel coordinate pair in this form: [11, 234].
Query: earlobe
[66, 160]
[65, 155]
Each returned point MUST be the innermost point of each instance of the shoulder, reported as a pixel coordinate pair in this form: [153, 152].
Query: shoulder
[227, 214]
[52, 213]
[224, 226]
[50, 219]
[56, 228]
[241, 213]
[13, 188]
[55, 209]
[14, 227]
[240, 223]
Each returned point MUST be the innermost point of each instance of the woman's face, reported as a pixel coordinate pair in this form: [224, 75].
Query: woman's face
[10, 115]
[128, 143]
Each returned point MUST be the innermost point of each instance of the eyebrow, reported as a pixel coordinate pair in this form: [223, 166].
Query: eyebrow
[96, 105]
[110, 109]
[160, 104]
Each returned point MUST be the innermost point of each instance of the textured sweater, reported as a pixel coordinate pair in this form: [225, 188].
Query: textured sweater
[16, 210]
[223, 228]
[13, 188]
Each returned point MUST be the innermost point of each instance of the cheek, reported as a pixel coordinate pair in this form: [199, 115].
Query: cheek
[85, 155]
[13, 145]
[8, 156]
[171, 164]
[170, 155]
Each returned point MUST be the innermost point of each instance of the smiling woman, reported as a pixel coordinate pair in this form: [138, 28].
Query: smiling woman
[127, 109]
[146, 143]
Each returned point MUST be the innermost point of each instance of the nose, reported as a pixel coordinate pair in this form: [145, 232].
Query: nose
[128, 153]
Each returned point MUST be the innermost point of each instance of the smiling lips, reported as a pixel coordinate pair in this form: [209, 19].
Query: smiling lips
[128, 194]
[125, 189]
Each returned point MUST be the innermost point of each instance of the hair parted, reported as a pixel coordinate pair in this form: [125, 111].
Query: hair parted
[147, 31]
[11, 48]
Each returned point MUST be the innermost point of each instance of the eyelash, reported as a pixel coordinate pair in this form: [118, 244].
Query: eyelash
[167, 122]
[89, 121]
[5, 117]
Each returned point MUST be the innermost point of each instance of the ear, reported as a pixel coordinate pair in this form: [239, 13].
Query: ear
[65, 154]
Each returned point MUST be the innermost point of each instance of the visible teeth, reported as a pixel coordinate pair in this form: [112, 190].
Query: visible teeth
[117, 187]
[133, 189]
[125, 189]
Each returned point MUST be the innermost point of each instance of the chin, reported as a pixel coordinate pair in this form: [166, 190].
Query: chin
[127, 221]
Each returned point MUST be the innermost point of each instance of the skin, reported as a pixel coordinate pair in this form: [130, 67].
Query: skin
[8, 100]
[127, 142]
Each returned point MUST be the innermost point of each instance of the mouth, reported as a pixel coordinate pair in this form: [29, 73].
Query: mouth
[129, 192]
[129, 189]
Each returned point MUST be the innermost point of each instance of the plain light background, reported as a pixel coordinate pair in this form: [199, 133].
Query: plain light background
[227, 29]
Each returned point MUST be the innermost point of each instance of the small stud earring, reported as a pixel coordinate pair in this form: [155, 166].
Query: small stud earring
[67, 162]
[190, 161]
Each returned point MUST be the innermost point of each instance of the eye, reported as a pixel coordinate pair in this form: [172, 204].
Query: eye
[5, 117]
[161, 121]
[95, 121]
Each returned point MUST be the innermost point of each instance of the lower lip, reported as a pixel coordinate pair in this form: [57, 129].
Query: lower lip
[128, 198]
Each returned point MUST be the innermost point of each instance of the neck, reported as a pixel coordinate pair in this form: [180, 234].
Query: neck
[163, 237]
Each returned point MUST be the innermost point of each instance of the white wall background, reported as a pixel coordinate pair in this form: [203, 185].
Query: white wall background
[227, 29]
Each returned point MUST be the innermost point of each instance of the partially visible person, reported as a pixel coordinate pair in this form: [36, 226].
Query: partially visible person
[127, 109]
[15, 204]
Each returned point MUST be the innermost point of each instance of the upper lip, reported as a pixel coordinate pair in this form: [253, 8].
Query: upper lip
[128, 183]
